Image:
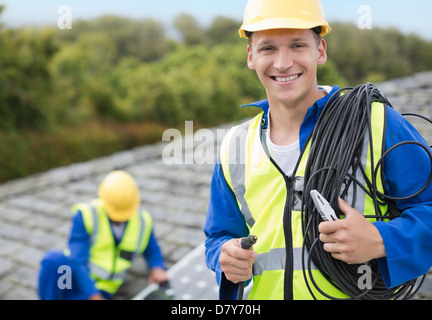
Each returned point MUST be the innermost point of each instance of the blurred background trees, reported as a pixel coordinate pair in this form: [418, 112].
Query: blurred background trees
[114, 83]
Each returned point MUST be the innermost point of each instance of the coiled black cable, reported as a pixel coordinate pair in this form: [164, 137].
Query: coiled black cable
[333, 164]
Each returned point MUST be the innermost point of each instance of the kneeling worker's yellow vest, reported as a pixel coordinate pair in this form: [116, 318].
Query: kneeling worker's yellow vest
[108, 261]
[268, 200]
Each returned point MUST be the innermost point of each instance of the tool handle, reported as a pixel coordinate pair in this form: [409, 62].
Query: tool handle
[248, 242]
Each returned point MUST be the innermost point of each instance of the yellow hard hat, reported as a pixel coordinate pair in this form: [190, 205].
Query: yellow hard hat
[120, 195]
[283, 14]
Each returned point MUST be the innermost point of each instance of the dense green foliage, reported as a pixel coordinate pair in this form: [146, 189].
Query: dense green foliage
[113, 83]
[377, 54]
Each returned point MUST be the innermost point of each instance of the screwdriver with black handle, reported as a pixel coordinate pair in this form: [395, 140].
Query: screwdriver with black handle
[246, 243]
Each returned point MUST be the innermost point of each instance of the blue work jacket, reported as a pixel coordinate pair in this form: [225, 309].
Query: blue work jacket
[407, 239]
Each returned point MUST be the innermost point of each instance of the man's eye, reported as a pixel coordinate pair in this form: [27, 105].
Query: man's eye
[267, 49]
[298, 46]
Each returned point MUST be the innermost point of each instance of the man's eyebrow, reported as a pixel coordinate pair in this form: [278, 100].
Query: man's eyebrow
[297, 40]
[271, 42]
[265, 42]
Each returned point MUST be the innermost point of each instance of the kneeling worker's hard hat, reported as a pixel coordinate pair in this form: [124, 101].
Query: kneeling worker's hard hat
[283, 14]
[120, 195]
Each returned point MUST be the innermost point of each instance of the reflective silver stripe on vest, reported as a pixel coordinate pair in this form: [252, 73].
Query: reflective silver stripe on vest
[275, 260]
[237, 168]
[141, 234]
[106, 275]
[95, 228]
[95, 269]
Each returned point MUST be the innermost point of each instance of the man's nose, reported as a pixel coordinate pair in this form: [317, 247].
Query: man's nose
[283, 61]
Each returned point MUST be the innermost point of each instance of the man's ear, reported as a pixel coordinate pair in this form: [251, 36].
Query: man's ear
[322, 49]
[250, 62]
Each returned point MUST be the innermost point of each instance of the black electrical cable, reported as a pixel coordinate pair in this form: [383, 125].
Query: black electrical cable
[408, 114]
[333, 168]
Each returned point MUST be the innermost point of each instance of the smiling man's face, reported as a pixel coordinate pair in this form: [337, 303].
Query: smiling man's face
[286, 61]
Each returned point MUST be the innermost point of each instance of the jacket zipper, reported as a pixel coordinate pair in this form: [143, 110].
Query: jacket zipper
[287, 226]
[289, 272]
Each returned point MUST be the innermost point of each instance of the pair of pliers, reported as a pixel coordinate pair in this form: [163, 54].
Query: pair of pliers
[323, 207]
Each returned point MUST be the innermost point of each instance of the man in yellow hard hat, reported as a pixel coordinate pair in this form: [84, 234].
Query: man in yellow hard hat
[107, 234]
[259, 177]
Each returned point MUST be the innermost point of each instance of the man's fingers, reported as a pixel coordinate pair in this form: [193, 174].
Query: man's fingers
[329, 226]
[233, 249]
[236, 262]
[326, 238]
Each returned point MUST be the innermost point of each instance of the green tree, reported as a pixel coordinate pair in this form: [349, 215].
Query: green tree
[377, 54]
[143, 39]
[25, 83]
[222, 31]
[189, 28]
[81, 70]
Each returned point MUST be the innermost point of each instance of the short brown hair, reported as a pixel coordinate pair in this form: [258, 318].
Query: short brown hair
[316, 31]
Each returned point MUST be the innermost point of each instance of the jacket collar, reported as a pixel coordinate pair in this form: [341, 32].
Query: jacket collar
[316, 108]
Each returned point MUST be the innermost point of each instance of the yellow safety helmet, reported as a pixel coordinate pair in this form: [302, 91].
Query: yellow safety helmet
[283, 14]
[120, 195]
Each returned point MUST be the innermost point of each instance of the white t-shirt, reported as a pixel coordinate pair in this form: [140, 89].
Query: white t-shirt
[286, 157]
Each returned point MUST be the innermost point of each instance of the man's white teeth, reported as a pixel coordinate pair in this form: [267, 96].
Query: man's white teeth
[286, 79]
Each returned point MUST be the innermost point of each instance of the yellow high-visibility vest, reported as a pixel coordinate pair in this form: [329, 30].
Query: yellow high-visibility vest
[109, 263]
[266, 197]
